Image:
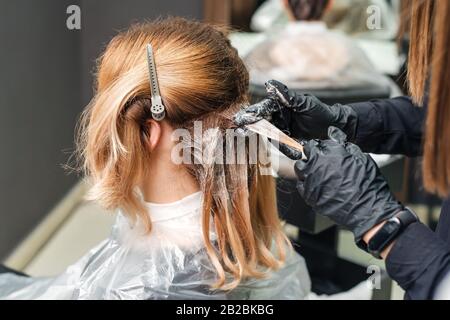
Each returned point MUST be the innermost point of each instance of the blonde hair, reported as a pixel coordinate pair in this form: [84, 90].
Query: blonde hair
[201, 77]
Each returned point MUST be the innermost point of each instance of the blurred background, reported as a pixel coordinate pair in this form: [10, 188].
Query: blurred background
[47, 62]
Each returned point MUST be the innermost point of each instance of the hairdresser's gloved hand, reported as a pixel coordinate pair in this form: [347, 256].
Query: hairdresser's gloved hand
[302, 116]
[341, 182]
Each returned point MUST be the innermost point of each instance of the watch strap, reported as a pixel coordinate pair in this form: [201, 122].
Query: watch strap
[403, 218]
[406, 217]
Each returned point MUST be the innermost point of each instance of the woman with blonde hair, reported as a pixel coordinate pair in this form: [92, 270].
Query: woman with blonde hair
[206, 228]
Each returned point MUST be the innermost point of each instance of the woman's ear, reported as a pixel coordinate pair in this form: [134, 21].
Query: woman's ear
[154, 133]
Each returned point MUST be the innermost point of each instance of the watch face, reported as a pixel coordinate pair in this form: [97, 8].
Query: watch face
[384, 236]
[389, 227]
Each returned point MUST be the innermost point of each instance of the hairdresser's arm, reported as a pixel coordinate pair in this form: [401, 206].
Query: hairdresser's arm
[392, 126]
[418, 260]
[341, 182]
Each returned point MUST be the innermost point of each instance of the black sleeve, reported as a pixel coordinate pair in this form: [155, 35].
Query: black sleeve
[392, 126]
[418, 261]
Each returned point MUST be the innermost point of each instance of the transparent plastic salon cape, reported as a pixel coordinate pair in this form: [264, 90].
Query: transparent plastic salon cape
[306, 55]
[170, 263]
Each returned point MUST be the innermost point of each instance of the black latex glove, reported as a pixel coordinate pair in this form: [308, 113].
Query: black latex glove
[341, 182]
[300, 115]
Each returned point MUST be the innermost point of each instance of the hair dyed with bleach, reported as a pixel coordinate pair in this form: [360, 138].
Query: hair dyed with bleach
[201, 77]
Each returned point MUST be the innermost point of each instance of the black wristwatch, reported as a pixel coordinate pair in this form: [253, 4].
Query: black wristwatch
[390, 230]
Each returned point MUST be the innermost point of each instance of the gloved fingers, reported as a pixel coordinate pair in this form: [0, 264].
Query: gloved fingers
[243, 118]
[310, 146]
[301, 188]
[355, 151]
[326, 148]
[279, 92]
[289, 152]
[253, 108]
[337, 135]
[280, 120]
[255, 112]
[299, 168]
[311, 149]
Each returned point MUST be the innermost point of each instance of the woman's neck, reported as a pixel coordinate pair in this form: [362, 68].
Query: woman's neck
[167, 182]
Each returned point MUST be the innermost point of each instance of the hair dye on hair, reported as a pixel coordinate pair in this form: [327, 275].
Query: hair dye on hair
[201, 78]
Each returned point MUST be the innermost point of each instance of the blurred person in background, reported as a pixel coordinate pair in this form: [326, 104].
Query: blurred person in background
[298, 54]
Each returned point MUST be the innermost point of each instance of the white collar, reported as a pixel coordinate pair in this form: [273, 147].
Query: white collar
[166, 211]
